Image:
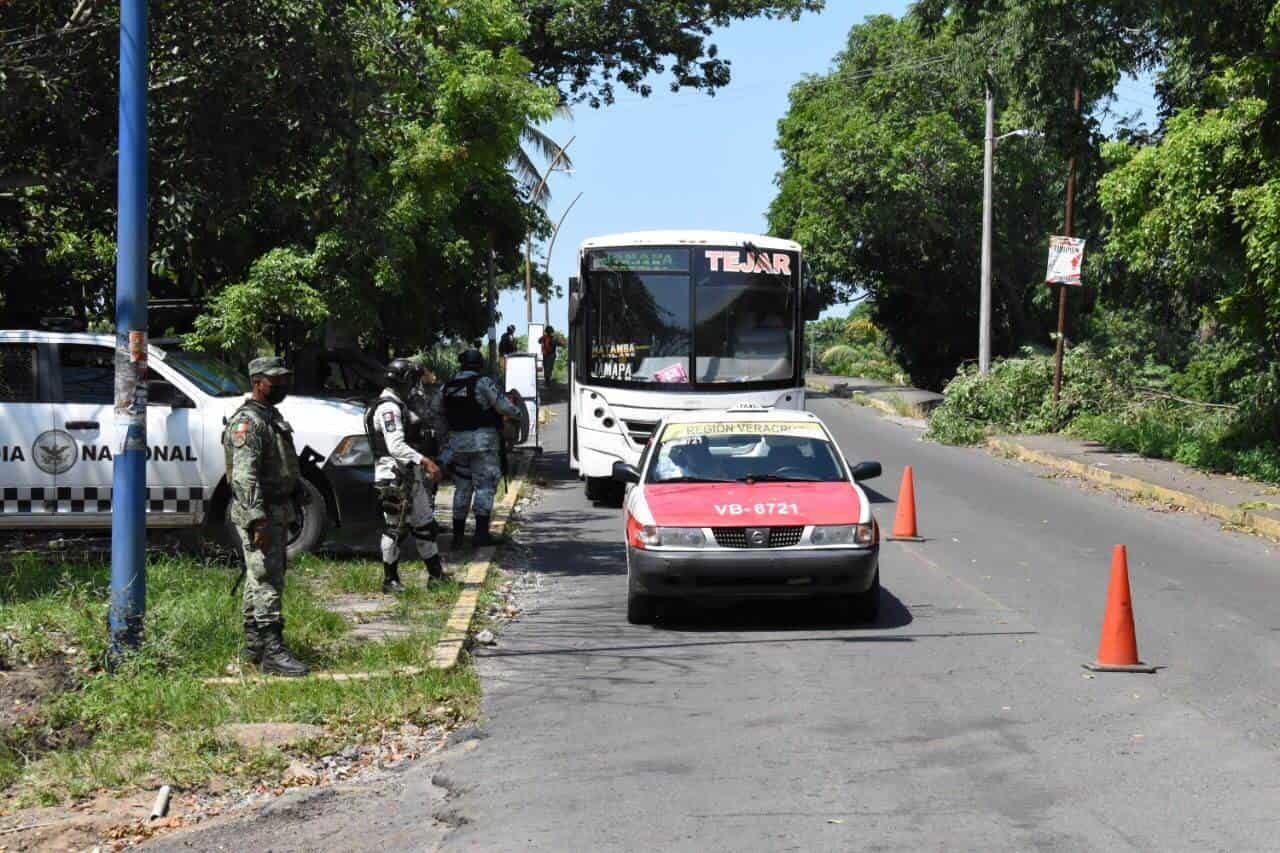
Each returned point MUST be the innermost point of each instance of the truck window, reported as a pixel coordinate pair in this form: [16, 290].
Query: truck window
[88, 374]
[17, 373]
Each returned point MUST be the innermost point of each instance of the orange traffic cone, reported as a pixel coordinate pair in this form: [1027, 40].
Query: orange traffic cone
[904, 523]
[1118, 646]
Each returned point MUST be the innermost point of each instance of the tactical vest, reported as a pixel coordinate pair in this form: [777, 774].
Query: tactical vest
[377, 441]
[280, 472]
[462, 408]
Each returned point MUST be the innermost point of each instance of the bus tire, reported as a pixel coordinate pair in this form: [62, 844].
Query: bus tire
[597, 488]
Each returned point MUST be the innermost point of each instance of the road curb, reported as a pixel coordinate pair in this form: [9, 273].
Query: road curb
[451, 642]
[1141, 488]
[445, 652]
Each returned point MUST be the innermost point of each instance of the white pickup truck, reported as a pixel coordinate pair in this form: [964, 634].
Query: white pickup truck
[57, 439]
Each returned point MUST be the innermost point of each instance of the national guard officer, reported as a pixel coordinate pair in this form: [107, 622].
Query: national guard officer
[405, 476]
[262, 467]
[469, 409]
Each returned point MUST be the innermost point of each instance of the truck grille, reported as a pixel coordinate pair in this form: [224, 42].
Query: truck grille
[640, 431]
[736, 537]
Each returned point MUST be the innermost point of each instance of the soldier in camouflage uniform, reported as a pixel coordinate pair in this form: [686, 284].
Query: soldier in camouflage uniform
[468, 409]
[262, 467]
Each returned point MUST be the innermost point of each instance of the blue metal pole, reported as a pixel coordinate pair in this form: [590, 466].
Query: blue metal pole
[129, 475]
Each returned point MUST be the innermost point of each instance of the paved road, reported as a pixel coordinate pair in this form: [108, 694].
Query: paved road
[961, 721]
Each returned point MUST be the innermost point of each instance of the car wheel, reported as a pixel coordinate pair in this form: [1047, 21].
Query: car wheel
[308, 528]
[865, 606]
[640, 609]
[597, 488]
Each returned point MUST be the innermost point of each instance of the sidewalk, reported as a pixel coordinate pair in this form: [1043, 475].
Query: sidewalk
[1240, 502]
[1252, 506]
[887, 397]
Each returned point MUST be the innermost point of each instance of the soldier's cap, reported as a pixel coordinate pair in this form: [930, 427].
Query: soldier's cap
[272, 365]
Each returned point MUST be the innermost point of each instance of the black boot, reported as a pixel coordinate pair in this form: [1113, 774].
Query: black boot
[483, 537]
[278, 660]
[391, 579]
[459, 532]
[435, 567]
[252, 651]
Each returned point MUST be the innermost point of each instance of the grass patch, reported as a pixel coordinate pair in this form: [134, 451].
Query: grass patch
[154, 721]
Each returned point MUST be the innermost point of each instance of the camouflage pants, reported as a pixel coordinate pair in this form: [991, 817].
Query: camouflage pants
[264, 573]
[417, 518]
[477, 474]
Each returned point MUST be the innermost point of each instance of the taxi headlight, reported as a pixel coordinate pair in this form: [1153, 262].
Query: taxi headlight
[681, 537]
[352, 450]
[843, 534]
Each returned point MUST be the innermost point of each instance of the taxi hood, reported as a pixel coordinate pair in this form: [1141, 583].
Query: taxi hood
[744, 505]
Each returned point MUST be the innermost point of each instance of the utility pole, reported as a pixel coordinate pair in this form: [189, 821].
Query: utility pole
[528, 243]
[988, 170]
[129, 472]
[1062, 288]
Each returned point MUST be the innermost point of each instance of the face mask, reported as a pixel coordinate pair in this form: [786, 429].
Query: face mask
[277, 394]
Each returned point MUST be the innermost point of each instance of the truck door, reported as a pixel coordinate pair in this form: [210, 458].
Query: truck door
[31, 451]
[84, 408]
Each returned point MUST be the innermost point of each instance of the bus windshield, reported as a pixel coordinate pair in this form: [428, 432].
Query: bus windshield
[685, 316]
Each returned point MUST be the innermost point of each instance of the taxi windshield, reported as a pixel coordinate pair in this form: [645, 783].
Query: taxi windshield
[703, 453]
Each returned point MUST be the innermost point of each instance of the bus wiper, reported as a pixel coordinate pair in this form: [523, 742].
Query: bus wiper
[776, 478]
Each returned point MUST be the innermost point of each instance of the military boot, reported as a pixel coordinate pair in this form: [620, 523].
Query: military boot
[459, 533]
[435, 567]
[391, 579]
[252, 651]
[483, 537]
[276, 658]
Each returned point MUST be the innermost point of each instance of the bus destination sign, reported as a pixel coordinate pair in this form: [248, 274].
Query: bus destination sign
[640, 260]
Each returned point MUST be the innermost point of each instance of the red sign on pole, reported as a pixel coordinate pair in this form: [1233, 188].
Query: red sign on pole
[1066, 254]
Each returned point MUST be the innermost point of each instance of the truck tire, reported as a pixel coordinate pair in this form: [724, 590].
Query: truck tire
[305, 534]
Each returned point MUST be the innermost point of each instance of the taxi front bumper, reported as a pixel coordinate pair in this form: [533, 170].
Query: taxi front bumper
[752, 573]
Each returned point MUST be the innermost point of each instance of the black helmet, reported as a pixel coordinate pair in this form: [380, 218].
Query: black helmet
[402, 373]
[471, 359]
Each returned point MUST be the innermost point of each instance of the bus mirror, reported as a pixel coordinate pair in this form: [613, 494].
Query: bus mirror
[575, 306]
[812, 303]
[574, 284]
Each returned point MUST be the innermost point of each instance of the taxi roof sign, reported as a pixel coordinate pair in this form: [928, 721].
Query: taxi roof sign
[749, 407]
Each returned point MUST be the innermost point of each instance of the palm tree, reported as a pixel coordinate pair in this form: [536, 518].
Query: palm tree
[526, 170]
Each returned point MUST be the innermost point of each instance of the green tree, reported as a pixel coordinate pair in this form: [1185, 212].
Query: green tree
[882, 183]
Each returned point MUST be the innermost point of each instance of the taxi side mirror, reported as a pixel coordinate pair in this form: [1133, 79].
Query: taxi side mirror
[865, 471]
[625, 473]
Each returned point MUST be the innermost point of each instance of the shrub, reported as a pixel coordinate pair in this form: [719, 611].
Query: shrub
[1017, 396]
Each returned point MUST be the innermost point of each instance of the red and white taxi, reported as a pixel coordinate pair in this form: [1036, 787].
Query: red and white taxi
[744, 503]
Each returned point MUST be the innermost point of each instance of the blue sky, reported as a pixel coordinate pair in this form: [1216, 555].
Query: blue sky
[686, 160]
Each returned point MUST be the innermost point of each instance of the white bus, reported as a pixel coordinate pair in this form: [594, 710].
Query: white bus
[670, 321]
